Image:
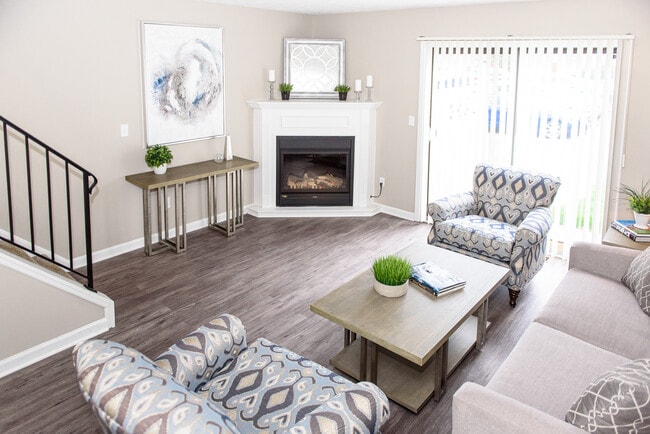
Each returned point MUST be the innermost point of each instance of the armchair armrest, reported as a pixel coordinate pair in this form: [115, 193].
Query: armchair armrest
[534, 228]
[372, 414]
[456, 205]
[605, 261]
[478, 409]
[129, 393]
[195, 359]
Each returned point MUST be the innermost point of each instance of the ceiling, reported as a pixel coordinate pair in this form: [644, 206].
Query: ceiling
[316, 7]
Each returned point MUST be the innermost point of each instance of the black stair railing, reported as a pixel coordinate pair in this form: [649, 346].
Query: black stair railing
[44, 215]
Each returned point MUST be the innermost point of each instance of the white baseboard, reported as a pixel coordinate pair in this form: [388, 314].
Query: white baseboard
[396, 212]
[46, 349]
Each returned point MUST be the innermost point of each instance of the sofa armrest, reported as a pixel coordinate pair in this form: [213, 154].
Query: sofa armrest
[129, 393]
[449, 207]
[195, 359]
[605, 261]
[371, 414]
[477, 409]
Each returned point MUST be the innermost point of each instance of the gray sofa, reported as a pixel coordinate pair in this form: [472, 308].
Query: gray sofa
[591, 324]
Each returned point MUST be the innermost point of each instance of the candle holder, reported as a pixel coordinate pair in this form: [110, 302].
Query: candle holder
[369, 98]
[358, 92]
[271, 97]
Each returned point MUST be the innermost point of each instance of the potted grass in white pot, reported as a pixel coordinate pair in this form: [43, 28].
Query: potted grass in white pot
[639, 201]
[392, 275]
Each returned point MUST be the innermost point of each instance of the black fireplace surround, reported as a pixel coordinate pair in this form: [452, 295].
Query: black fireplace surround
[314, 170]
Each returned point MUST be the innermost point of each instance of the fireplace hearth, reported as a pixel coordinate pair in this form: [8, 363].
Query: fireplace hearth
[314, 170]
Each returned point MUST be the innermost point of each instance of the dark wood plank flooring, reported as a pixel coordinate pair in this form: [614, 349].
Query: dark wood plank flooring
[268, 274]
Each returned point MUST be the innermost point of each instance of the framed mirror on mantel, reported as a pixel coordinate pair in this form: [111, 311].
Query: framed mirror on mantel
[314, 66]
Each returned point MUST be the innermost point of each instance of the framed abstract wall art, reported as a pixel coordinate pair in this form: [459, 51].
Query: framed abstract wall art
[183, 82]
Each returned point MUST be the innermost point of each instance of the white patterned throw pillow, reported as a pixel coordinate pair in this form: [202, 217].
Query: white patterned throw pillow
[637, 278]
[616, 402]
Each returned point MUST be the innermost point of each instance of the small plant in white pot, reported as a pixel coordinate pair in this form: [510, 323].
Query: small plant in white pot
[639, 202]
[392, 275]
[158, 157]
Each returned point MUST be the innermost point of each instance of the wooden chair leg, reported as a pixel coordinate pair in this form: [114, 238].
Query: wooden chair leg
[514, 293]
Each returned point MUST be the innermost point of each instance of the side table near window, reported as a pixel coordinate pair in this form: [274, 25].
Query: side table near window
[176, 178]
[615, 238]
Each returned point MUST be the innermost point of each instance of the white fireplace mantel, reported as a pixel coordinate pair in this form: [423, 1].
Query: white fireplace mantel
[314, 118]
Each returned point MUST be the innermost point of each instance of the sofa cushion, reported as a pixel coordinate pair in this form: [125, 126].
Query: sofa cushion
[637, 278]
[600, 311]
[480, 235]
[270, 388]
[547, 369]
[617, 401]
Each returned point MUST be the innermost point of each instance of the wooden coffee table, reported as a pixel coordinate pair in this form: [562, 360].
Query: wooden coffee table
[409, 345]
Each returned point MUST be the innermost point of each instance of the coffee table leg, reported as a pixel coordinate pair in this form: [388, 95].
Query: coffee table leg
[363, 359]
[440, 371]
[373, 362]
[481, 325]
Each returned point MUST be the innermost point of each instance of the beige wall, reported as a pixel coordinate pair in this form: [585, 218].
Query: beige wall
[70, 74]
[31, 318]
[384, 44]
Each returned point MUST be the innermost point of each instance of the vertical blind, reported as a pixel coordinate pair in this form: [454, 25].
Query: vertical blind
[545, 105]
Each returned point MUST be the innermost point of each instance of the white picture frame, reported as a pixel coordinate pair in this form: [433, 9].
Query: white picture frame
[314, 67]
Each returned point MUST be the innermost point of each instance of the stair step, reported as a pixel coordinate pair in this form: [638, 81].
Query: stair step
[17, 251]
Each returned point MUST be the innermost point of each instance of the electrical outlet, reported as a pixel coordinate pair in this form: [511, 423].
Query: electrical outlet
[382, 181]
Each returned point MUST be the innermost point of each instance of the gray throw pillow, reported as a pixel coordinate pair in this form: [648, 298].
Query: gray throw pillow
[616, 402]
[637, 278]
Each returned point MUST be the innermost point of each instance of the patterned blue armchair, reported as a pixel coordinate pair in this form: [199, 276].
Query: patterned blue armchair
[504, 220]
[213, 382]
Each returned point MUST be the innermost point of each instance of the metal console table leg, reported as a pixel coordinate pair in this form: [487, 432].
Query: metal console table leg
[233, 202]
[179, 243]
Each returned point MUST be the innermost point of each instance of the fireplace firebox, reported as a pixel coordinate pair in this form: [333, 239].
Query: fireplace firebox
[314, 170]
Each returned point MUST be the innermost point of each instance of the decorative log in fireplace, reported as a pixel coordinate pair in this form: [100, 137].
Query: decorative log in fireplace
[314, 170]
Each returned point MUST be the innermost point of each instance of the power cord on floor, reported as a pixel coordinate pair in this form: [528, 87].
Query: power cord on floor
[381, 188]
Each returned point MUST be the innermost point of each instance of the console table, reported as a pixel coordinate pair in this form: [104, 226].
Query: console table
[176, 178]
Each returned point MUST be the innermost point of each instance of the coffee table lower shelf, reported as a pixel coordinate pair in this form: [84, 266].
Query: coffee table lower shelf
[402, 381]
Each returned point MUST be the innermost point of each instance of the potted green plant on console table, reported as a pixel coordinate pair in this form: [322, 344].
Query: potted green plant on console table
[639, 202]
[392, 275]
[158, 157]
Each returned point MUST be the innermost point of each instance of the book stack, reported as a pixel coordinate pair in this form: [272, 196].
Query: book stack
[627, 228]
[435, 279]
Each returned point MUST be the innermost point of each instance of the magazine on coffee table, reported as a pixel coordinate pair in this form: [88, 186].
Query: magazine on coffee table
[435, 279]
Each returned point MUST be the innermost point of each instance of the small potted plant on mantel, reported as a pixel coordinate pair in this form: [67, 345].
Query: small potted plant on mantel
[158, 157]
[639, 202]
[343, 90]
[392, 275]
[285, 90]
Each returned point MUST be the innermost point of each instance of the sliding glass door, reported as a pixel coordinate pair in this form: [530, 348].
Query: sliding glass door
[543, 105]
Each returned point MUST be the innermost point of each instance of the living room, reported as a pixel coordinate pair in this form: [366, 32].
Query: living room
[72, 76]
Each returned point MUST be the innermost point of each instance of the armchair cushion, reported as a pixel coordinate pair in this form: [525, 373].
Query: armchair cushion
[195, 359]
[130, 394]
[270, 388]
[507, 194]
[480, 235]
